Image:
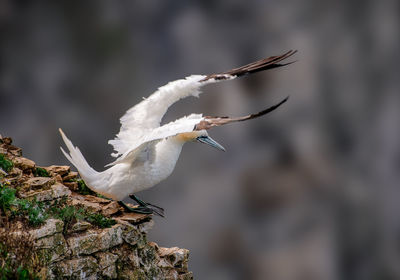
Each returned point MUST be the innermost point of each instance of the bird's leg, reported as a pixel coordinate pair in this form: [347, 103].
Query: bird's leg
[140, 209]
[156, 209]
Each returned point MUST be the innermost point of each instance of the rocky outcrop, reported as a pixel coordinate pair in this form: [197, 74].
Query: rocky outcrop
[56, 230]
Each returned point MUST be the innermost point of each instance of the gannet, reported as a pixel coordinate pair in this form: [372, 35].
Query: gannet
[145, 151]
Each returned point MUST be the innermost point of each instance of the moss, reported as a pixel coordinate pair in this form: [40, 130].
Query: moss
[5, 163]
[53, 248]
[136, 274]
[40, 172]
[153, 272]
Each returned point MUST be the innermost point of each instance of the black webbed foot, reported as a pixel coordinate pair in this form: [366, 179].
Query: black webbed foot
[140, 209]
[156, 209]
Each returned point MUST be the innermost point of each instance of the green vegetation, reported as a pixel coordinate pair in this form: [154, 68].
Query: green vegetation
[12, 206]
[99, 220]
[5, 163]
[40, 172]
[83, 188]
[33, 210]
[36, 213]
[68, 214]
[7, 198]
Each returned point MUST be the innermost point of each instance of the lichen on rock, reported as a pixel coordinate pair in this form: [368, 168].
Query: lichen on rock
[49, 230]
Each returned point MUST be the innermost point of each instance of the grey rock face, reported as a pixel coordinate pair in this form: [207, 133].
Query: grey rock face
[66, 246]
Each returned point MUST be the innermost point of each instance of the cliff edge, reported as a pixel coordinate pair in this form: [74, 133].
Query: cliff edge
[53, 227]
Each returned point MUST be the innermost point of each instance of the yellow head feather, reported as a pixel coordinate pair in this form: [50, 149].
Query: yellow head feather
[188, 136]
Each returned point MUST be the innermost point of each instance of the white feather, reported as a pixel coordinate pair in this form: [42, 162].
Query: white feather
[140, 123]
[77, 159]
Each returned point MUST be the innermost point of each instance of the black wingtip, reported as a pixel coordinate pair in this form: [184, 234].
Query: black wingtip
[270, 109]
[254, 67]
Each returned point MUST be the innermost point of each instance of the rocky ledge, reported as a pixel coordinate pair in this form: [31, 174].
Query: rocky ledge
[53, 227]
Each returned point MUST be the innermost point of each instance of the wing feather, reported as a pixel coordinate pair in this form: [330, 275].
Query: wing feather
[209, 122]
[141, 123]
[182, 125]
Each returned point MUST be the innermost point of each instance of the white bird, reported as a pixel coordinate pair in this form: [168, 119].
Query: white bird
[147, 152]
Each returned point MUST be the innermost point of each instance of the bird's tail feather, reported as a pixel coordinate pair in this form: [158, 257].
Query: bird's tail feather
[77, 159]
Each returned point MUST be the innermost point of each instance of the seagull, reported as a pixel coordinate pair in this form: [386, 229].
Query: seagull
[146, 151]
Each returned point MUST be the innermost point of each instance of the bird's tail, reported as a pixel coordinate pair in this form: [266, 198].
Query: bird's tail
[78, 160]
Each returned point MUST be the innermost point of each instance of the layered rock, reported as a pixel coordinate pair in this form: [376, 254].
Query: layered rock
[75, 247]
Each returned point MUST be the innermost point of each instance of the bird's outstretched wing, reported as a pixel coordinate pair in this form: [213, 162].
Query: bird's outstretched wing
[143, 119]
[185, 124]
[209, 122]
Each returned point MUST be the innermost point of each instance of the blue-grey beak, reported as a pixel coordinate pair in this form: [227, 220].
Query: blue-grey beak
[209, 141]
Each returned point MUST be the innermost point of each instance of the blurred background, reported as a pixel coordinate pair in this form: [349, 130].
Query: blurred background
[309, 192]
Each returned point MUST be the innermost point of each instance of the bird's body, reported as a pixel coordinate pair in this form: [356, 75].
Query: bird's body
[147, 152]
[152, 165]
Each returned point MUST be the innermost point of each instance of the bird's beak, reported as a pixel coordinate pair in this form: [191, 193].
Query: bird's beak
[209, 141]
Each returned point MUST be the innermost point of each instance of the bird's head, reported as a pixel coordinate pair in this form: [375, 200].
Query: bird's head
[199, 136]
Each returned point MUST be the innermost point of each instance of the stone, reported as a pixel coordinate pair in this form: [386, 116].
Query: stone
[80, 226]
[52, 248]
[6, 140]
[59, 190]
[110, 209]
[146, 226]
[14, 150]
[14, 175]
[73, 186]
[186, 276]
[70, 176]
[173, 257]
[23, 163]
[134, 259]
[58, 169]
[80, 268]
[170, 274]
[148, 256]
[84, 244]
[106, 263]
[51, 227]
[128, 274]
[97, 199]
[134, 218]
[58, 178]
[94, 207]
[56, 191]
[92, 242]
[39, 183]
[132, 235]
[110, 237]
